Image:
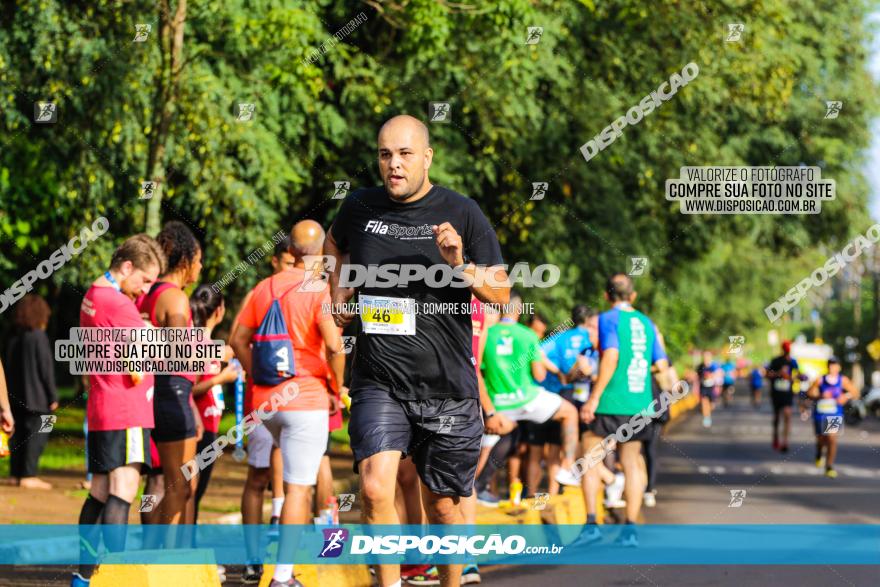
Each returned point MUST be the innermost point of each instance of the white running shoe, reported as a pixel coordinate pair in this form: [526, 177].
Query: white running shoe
[566, 477]
[614, 492]
[650, 499]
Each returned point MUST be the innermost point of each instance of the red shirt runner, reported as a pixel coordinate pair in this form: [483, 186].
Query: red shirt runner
[115, 402]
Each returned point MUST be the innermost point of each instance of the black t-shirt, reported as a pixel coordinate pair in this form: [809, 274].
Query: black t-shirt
[437, 361]
[702, 371]
[777, 364]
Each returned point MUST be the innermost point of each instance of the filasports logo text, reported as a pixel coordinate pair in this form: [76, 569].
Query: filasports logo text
[447, 545]
[379, 227]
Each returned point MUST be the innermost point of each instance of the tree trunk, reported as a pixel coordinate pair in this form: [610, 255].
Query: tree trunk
[164, 103]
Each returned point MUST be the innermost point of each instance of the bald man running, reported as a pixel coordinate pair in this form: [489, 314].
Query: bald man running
[300, 426]
[413, 384]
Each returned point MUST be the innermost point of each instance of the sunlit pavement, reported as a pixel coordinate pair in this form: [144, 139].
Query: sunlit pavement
[698, 470]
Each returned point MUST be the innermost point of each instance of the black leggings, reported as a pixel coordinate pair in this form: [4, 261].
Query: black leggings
[26, 444]
[204, 474]
[505, 448]
[649, 448]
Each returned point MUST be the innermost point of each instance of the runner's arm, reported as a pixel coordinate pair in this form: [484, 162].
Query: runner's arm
[850, 390]
[336, 358]
[497, 423]
[172, 308]
[607, 366]
[235, 322]
[338, 295]
[227, 375]
[539, 370]
[491, 285]
[240, 342]
[813, 392]
[6, 420]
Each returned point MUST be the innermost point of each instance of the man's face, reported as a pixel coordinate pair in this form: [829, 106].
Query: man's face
[137, 281]
[707, 358]
[404, 159]
[283, 262]
[539, 327]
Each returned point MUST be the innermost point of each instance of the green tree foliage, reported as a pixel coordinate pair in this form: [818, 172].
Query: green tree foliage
[520, 112]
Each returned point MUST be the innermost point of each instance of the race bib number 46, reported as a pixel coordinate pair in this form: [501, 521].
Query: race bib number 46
[383, 315]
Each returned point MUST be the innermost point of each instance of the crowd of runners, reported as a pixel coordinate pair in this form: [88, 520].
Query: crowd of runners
[447, 410]
[820, 399]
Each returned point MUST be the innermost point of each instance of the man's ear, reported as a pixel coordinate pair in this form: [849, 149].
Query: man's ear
[126, 269]
[429, 158]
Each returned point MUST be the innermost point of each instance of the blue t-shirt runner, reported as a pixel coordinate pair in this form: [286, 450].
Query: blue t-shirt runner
[563, 351]
[729, 373]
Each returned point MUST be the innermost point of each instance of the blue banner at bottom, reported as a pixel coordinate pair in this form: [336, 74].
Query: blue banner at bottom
[483, 544]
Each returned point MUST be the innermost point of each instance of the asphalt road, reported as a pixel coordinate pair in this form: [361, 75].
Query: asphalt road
[698, 470]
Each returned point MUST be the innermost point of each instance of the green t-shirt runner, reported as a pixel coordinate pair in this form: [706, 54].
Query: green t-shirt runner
[507, 364]
[635, 338]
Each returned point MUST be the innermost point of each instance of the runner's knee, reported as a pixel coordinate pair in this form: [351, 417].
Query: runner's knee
[258, 479]
[376, 491]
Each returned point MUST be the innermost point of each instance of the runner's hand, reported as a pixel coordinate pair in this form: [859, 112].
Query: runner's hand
[449, 243]
[588, 410]
[334, 404]
[53, 406]
[341, 296]
[500, 425]
[227, 375]
[7, 422]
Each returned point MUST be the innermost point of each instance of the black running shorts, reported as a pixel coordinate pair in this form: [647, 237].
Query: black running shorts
[608, 424]
[172, 412]
[442, 436]
[781, 399]
[111, 449]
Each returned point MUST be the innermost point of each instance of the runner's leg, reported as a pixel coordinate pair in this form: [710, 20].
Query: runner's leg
[567, 416]
[89, 518]
[831, 452]
[533, 467]
[786, 424]
[252, 509]
[408, 479]
[444, 509]
[378, 481]
[634, 490]
[177, 488]
[590, 482]
[553, 461]
[123, 485]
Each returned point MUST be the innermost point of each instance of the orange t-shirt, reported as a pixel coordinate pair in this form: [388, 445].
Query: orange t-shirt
[302, 312]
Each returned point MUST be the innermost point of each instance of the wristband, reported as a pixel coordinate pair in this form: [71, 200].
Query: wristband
[488, 415]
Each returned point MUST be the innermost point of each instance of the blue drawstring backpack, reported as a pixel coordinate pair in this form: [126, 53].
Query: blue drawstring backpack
[272, 351]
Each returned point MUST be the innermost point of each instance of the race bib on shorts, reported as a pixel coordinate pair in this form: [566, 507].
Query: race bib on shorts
[826, 406]
[782, 385]
[581, 391]
[384, 315]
